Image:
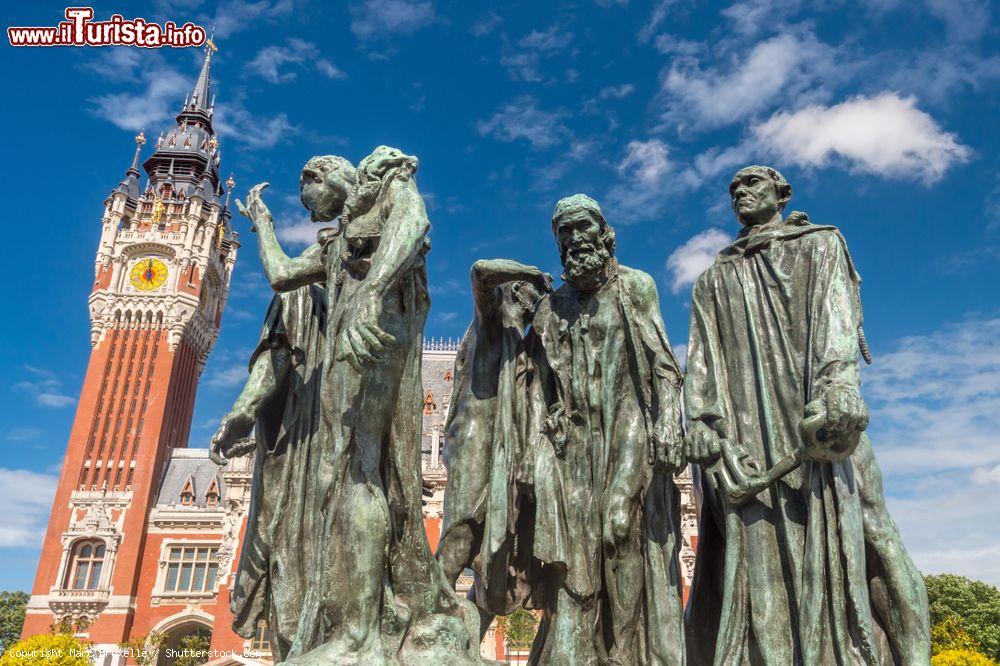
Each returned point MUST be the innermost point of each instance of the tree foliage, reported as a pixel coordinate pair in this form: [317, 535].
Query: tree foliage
[194, 648]
[519, 628]
[59, 649]
[12, 607]
[961, 658]
[975, 604]
[145, 650]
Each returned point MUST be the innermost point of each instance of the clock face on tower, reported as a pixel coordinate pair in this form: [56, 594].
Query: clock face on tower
[148, 274]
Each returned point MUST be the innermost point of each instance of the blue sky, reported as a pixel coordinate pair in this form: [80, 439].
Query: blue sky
[881, 113]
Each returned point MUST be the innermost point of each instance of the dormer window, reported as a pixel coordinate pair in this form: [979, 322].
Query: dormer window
[429, 404]
[212, 494]
[187, 493]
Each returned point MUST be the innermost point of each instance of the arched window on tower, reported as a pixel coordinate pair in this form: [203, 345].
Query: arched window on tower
[86, 565]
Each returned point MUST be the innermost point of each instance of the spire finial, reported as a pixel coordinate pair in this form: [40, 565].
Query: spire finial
[230, 184]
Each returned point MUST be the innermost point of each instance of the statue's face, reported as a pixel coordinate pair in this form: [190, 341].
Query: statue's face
[755, 197]
[581, 249]
[323, 191]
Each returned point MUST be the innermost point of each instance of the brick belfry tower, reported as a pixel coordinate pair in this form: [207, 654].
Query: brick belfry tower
[162, 275]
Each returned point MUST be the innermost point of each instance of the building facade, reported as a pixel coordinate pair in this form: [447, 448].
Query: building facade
[145, 533]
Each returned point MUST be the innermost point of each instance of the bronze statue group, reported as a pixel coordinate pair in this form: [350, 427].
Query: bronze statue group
[564, 433]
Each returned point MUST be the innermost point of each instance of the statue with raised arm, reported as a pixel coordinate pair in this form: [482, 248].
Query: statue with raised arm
[372, 593]
[798, 561]
[575, 513]
[484, 434]
[281, 400]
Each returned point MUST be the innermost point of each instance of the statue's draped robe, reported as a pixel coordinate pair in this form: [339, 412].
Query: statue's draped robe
[785, 579]
[484, 453]
[381, 594]
[605, 358]
[282, 553]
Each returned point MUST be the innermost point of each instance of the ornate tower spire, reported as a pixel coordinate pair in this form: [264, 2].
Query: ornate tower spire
[184, 162]
[130, 183]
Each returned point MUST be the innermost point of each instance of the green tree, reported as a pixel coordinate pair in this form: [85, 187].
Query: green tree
[974, 603]
[961, 658]
[12, 606]
[950, 634]
[48, 650]
[145, 650]
[519, 628]
[194, 648]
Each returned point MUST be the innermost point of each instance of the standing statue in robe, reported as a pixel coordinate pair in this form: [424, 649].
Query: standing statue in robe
[798, 560]
[485, 435]
[281, 401]
[578, 509]
[373, 593]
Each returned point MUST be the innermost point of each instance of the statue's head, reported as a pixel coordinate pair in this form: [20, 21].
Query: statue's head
[758, 194]
[382, 161]
[325, 182]
[586, 241]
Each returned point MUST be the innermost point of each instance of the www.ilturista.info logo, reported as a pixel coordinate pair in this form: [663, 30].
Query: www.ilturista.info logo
[80, 30]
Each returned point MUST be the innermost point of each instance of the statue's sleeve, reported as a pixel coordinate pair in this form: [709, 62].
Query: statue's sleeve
[404, 235]
[705, 374]
[834, 316]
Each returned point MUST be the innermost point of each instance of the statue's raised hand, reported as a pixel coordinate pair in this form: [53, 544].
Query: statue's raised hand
[255, 209]
[363, 340]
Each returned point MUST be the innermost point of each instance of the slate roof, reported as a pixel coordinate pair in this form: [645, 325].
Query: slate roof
[185, 464]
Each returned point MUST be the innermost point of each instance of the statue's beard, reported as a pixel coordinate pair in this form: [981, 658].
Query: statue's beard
[584, 268]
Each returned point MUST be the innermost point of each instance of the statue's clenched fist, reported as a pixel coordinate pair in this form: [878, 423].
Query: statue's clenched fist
[702, 444]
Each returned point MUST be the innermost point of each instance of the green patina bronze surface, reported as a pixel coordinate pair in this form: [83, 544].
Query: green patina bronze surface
[562, 444]
[798, 560]
[336, 557]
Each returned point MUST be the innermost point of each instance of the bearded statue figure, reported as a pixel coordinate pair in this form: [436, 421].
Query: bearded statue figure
[570, 436]
[374, 594]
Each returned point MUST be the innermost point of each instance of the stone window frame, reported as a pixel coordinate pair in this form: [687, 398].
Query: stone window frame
[160, 593]
[71, 569]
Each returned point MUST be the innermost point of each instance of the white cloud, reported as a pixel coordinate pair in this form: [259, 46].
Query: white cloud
[233, 120]
[485, 24]
[681, 352]
[617, 92]
[228, 377]
[656, 18]
[935, 399]
[301, 233]
[270, 60]
[238, 15]
[523, 61]
[790, 66]
[44, 388]
[692, 258]
[748, 17]
[522, 119]
[548, 40]
[641, 190]
[373, 19]
[27, 500]
[986, 476]
[151, 106]
[886, 135]
[22, 434]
